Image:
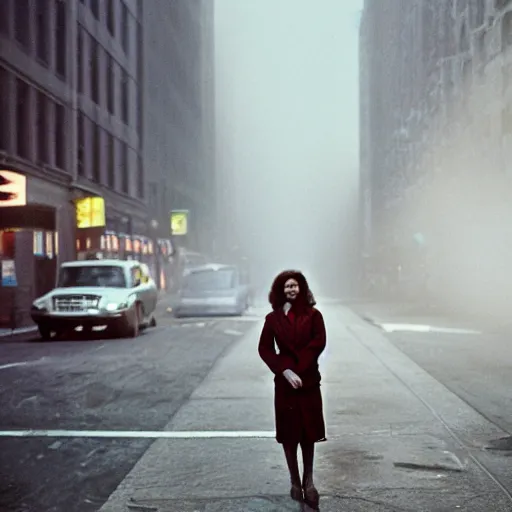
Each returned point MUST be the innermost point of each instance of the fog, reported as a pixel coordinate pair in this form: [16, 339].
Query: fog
[459, 205]
[287, 137]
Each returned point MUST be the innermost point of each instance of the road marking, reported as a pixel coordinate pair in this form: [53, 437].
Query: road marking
[13, 365]
[138, 434]
[425, 328]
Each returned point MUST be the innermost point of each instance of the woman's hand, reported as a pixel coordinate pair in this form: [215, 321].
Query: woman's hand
[293, 379]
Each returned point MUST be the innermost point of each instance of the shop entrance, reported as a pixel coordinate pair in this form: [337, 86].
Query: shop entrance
[28, 256]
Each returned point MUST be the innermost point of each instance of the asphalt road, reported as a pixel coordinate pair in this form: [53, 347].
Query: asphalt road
[476, 367]
[125, 384]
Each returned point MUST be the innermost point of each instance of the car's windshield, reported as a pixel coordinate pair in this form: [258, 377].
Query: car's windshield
[208, 280]
[100, 276]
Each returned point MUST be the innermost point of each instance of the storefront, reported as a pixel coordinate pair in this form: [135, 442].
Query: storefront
[31, 234]
[103, 234]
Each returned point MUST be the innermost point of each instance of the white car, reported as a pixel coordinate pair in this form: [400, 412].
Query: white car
[120, 295]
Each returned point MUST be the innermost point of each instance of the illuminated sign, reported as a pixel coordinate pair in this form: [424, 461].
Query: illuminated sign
[179, 222]
[13, 189]
[90, 212]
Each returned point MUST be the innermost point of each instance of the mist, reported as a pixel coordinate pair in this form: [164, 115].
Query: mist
[287, 137]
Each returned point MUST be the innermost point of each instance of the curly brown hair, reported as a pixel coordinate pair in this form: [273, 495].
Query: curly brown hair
[276, 296]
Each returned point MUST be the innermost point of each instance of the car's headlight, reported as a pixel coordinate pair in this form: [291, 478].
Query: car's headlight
[118, 306]
[42, 303]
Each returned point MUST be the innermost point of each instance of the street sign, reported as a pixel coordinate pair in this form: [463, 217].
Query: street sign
[13, 189]
[179, 222]
[90, 212]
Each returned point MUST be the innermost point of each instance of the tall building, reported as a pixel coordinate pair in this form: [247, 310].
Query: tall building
[178, 117]
[435, 125]
[103, 108]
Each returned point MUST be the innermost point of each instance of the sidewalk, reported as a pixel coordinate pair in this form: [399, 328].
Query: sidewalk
[387, 447]
[382, 313]
[20, 334]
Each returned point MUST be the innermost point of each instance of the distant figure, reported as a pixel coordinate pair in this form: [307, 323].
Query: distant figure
[298, 330]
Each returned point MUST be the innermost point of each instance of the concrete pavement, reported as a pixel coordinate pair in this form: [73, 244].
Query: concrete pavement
[397, 438]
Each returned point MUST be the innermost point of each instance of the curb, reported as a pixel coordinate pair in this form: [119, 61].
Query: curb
[23, 334]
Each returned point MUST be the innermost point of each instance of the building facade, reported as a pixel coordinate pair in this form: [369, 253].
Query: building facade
[435, 124]
[95, 124]
[178, 117]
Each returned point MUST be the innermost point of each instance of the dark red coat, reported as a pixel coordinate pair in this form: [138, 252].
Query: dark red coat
[300, 338]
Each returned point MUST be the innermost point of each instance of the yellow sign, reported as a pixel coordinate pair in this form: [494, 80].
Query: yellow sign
[13, 189]
[179, 222]
[90, 212]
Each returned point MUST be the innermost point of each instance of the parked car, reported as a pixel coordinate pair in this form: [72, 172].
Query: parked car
[213, 289]
[120, 295]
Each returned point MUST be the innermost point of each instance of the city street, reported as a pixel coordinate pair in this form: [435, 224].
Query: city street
[477, 367]
[113, 384]
[181, 420]
[397, 439]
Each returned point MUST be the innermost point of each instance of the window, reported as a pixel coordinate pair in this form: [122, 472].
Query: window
[60, 136]
[125, 26]
[111, 17]
[22, 22]
[60, 37]
[4, 108]
[42, 127]
[479, 12]
[80, 58]
[506, 120]
[22, 118]
[140, 177]
[80, 142]
[124, 168]
[96, 153]
[102, 276]
[42, 10]
[506, 30]
[95, 8]
[111, 171]
[94, 71]
[125, 97]
[110, 85]
[5, 16]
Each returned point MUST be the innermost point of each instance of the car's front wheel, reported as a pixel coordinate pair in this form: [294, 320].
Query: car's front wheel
[45, 332]
[133, 327]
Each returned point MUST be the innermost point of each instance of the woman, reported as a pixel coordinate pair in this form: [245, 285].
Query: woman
[298, 330]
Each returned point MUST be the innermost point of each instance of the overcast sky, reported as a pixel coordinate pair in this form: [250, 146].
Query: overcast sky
[287, 107]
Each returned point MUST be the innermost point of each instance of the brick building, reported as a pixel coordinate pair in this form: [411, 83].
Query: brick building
[74, 85]
[435, 122]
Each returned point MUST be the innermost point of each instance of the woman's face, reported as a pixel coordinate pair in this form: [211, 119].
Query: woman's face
[291, 289]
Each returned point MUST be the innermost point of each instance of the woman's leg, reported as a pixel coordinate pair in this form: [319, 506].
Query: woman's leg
[290, 452]
[310, 493]
[308, 456]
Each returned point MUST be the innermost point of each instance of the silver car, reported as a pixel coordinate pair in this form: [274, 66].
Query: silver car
[212, 289]
[116, 294]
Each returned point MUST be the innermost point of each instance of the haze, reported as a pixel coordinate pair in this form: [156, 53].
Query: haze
[287, 136]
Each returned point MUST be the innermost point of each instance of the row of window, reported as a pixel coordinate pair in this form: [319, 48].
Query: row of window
[37, 130]
[116, 78]
[105, 11]
[33, 32]
[34, 128]
[105, 152]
